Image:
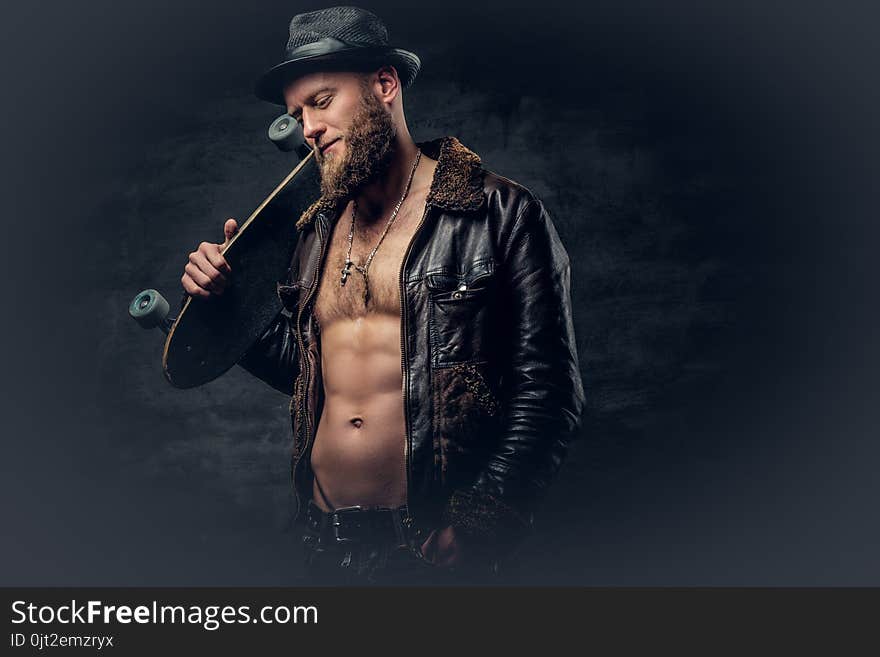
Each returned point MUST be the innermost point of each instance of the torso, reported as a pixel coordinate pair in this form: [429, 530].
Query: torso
[358, 457]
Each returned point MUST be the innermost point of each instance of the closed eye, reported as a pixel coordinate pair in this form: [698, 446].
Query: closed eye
[320, 100]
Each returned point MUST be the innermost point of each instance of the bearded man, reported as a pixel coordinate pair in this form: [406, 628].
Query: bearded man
[427, 340]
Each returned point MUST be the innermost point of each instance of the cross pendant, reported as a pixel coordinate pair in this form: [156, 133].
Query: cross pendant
[345, 272]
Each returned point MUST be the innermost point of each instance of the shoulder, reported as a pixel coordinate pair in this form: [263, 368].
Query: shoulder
[510, 204]
[522, 221]
[503, 193]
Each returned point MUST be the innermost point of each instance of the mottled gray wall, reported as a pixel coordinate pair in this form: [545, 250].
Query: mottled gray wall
[707, 170]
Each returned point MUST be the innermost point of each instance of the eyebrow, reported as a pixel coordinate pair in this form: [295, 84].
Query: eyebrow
[297, 113]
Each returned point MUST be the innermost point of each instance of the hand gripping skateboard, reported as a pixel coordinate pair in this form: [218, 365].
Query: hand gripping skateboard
[209, 336]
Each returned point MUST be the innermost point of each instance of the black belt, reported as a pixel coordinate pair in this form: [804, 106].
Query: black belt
[356, 524]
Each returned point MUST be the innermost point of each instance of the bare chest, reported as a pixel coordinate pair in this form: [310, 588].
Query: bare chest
[375, 290]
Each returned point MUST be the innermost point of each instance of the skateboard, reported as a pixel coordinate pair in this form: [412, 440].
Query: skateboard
[209, 336]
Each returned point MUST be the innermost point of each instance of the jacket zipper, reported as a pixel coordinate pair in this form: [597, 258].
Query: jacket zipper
[408, 520]
[305, 360]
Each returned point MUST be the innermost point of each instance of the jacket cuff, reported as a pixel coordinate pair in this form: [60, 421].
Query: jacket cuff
[484, 520]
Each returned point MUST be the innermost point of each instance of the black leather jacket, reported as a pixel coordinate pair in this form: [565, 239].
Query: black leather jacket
[492, 392]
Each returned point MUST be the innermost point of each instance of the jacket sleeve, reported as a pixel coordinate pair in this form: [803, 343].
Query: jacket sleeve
[542, 393]
[273, 358]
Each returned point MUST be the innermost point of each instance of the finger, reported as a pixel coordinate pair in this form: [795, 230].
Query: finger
[201, 279]
[198, 277]
[200, 260]
[191, 288]
[429, 547]
[230, 228]
[445, 540]
[448, 548]
[449, 560]
[213, 255]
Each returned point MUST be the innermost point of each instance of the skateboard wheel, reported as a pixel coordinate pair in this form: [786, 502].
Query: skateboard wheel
[286, 134]
[149, 309]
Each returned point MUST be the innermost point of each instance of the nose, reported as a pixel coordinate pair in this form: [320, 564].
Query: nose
[312, 128]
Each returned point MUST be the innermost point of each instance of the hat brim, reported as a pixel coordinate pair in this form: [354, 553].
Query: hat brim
[270, 86]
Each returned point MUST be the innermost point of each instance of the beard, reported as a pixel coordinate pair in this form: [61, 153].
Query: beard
[368, 151]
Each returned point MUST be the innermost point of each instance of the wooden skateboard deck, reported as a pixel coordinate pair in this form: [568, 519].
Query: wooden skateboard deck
[209, 336]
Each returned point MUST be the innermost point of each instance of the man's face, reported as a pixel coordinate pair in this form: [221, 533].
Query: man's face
[350, 130]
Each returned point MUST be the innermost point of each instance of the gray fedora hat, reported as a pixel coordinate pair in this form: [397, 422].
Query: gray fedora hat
[338, 39]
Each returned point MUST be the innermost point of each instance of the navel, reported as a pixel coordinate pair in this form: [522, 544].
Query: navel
[357, 422]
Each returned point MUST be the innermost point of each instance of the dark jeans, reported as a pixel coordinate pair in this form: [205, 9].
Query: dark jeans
[387, 559]
[369, 565]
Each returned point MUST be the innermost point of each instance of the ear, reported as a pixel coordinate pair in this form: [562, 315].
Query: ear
[387, 84]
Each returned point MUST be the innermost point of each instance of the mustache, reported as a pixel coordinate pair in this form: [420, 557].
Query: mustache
[320, 145]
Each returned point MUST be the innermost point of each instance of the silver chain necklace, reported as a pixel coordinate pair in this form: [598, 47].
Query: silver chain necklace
[346, 270]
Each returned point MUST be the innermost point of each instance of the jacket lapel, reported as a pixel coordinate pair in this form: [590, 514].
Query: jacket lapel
[457, 185]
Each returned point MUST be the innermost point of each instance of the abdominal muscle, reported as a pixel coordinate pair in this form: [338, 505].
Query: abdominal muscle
[358, 456]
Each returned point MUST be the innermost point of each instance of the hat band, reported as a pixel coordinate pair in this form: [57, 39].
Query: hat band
[325, 46]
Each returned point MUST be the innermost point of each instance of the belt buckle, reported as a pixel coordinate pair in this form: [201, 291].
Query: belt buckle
[336, 522]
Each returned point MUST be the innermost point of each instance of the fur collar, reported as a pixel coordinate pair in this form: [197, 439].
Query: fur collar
[457, 184]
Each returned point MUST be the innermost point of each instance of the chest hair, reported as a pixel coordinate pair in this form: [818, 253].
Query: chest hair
[335, 302]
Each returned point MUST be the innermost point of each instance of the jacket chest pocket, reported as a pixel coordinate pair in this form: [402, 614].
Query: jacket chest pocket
[460, 306]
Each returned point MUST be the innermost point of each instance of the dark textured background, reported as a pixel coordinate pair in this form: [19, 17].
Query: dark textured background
[710, 168]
